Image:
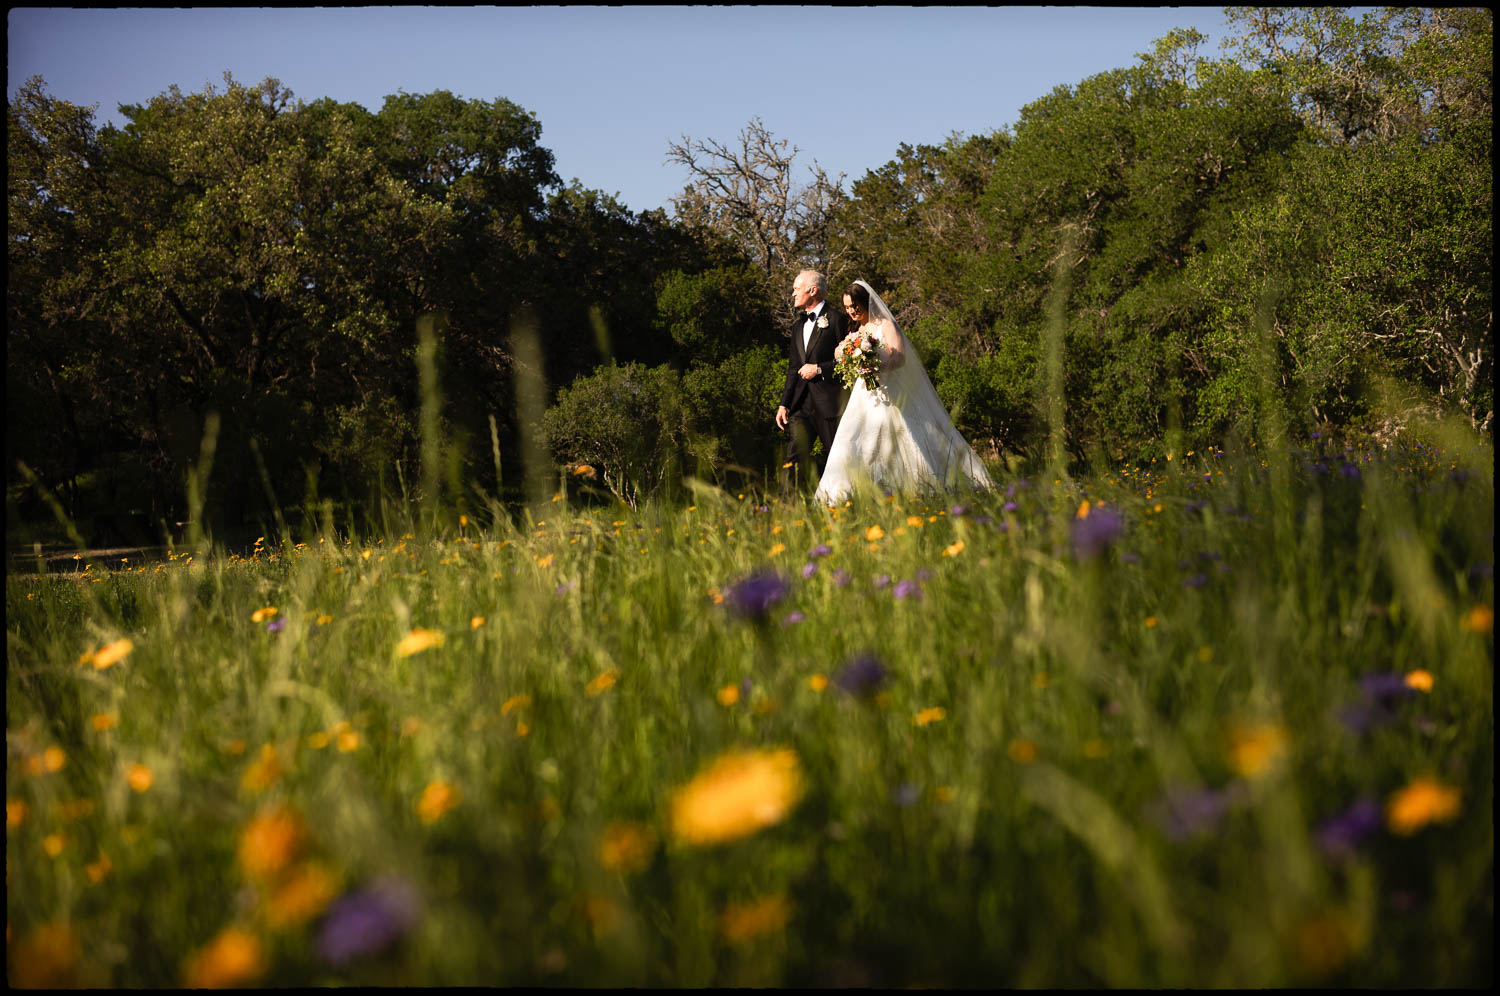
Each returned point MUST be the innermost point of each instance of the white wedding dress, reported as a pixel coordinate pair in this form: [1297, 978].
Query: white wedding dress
[898, 436]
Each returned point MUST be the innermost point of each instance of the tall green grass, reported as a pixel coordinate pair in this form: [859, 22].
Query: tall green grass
[1089, 764]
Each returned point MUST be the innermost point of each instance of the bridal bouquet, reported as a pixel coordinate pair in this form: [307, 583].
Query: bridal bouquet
[856, 359]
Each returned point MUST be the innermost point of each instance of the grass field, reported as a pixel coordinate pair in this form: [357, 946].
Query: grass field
[1222, 721]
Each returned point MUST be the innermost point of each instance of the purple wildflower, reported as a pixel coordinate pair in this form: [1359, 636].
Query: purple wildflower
[368, 921]
[1196, 581]
[884, 581]
[793, 618]
[1339, 836]
[563, 589]
[1011, 506]
[752, 597]
[907, 589]
[1360, 717]
[821, 550]
[906, 794]
[275, 625]
[809, 569]
[1385, 688]
[1096, 531]
[957, 510]
[924, 574]
[1130, 558]
[1182, 813]
[862, 677]
[841, 577]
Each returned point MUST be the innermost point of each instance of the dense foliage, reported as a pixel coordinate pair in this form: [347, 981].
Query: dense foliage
[1121, 272]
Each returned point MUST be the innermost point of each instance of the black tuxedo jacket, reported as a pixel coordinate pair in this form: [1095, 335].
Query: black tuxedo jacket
[823, 395]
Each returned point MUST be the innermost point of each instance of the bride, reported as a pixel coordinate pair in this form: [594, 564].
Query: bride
[896, 436]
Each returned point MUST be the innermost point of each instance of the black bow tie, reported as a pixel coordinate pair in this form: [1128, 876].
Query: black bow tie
[811, 316]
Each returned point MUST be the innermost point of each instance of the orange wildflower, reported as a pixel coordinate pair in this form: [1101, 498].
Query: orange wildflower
[737, 795]
[437, 798]
[626, 847]
[232, 958]
[741, 922]
[270, 842]
[1424, 801]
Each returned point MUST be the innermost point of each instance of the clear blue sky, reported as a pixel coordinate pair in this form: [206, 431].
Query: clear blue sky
[613, 85]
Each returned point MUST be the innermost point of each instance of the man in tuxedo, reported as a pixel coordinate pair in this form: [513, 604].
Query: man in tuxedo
[813, 397]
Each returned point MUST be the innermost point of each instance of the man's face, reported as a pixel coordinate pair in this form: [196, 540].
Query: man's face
[804, 293]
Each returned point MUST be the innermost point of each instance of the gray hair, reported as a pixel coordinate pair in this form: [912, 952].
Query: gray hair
[820, 281]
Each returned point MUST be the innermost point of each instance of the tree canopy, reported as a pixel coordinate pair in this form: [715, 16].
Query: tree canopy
[1313, 207]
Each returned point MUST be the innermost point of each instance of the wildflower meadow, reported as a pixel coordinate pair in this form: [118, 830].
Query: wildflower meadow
[1223, 719]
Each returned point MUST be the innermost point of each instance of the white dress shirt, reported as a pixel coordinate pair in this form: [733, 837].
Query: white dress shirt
[809, 326]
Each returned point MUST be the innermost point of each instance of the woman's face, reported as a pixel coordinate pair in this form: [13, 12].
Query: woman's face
[854, 311]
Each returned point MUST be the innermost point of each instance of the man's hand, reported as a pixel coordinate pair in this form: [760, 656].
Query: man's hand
[781, 418]
[808, 371]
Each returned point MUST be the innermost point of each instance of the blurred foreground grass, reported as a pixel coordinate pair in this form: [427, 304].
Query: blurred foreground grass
[1224, 722]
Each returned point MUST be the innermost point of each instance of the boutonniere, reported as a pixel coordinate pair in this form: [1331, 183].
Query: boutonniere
[823, 322]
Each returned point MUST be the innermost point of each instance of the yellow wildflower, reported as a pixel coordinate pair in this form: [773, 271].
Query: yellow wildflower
[476, 622]
[53, 759]
[546, 561]
[104, 721]
[954, 550]
[1150, 622]
[75, 809]
[737, 795]
[1021, 751]
[264, 771]
[98, 870]
[232, 958]
[1255, 748]
[261, 615]
[915, 521]
[513, 703]
[741, 922]
[729, 695]
[602, 683]
[1424, 801]
[348, 742]
[874, 533]
[934, 715]
[778, 548]
[318, 740]
[53, 844]
[437, 798]
[111, 654]
[417, 641]
[1083, 510]
[817, 682]
[324, 620]
[15, 813]
[626, 847]
[602, 913]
